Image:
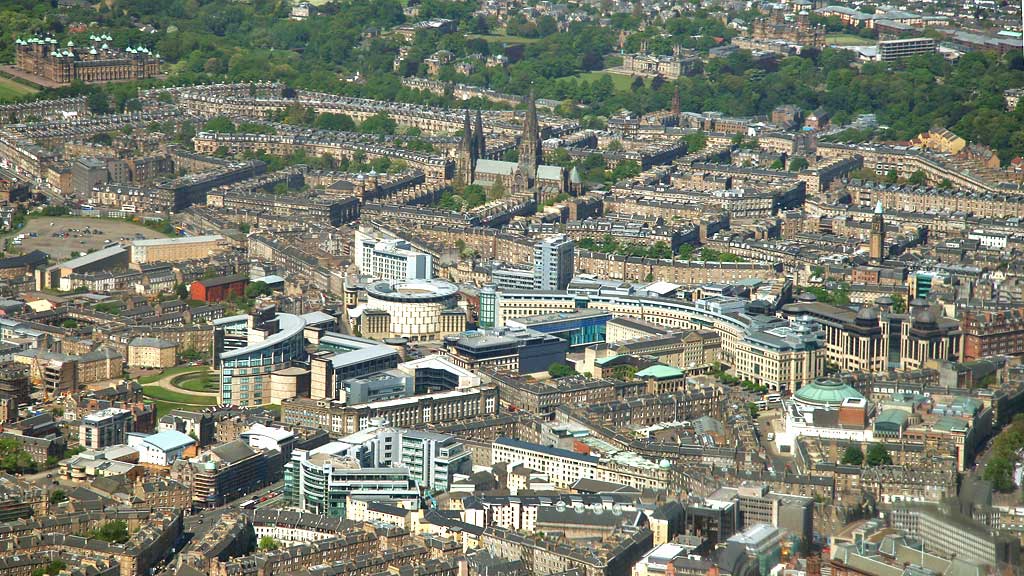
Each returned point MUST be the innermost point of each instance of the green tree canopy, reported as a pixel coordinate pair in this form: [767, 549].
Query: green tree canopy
[853, 456]
[878, 455]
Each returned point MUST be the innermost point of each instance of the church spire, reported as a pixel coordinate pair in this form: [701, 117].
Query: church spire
[530, 151]
[478, 136]
[465, 160]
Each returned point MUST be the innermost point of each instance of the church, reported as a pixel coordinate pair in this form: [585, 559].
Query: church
[527, 175]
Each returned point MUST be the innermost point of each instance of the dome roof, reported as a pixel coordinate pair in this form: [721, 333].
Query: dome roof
[867, 315]
[821, 392]
[925, 316]
[807, 297]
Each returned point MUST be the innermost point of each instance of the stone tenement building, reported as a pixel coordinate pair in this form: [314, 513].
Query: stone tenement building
[798, 31]
[96, 63]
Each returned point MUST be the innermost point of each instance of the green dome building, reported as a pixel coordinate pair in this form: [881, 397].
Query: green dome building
[821, 393]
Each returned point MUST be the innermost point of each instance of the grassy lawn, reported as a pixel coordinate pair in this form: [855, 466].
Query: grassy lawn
[158, 393]
[9, 89]
[199, 382]
[847, 40]
[622, 82]
[171, 372]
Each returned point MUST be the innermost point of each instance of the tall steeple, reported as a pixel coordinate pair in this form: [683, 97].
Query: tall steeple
[877, 244]
[478, 136]
[530, 151]
[465, 159]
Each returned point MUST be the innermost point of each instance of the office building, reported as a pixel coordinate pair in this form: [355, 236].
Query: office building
[390, 259]
[176, 249]
[321, 480]
[341, 357]
[432, 459]
[249, 348]
[226, 472]
[892, 50]
[553, 262]
[104, 428]
[260, 437]
[162, 448]
[415, 411]
[946, 533]
[384, 385]
[523, 351]
[415, 309]
[580, 328]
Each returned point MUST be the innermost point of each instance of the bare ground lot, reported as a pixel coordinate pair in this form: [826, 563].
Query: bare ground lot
[62, 248]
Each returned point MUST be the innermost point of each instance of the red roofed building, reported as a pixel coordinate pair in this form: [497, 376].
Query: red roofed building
[218, 289]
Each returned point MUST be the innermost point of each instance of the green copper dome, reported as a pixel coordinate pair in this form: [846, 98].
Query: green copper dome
[822, 392]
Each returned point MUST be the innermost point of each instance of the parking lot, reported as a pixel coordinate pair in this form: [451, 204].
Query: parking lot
[62, 238]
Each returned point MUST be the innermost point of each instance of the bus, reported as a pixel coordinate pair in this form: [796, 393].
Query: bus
[249, 504]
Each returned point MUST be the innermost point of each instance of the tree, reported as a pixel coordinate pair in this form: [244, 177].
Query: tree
[267, 543]
[695, 142]
[853, 456]
[899, 303]
[54, 567]
[999, 471]
[559, 370]
[892, 176]
[797, 164]
[878, 455]
[340, 122]
[98, 103]
[257, 288]
[219, 124]
[58, 496]
[917, 178]
[379, 123]
[474, 195]
[685, 251]
[115, 532]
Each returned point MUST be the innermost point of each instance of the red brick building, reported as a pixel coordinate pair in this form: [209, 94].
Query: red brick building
[991, 332]
[218, 289]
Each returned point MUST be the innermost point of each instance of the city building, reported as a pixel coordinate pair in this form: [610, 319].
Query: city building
[892, 50]
[152, 353]
[198, 425]
[522, 351]
[946, 533]
[226, 472]
[564, 468]
[390, 259]
[416, 411]
[105, 428]
[219, 288]
[553, 263]
[162, 448]
[321, 480]
[261, 437]
[96, 62]
[115, 257]
[249, 348]
[176, 249]
[341, 357]
[414, 309]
